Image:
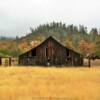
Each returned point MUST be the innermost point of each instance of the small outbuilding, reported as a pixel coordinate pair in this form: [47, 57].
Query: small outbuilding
[51, 52]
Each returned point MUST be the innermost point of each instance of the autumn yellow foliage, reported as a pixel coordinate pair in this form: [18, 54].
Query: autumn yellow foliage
[37, 83]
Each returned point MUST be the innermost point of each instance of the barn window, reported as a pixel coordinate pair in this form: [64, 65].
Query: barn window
[34, 52]
[68, 53]
[46, 52]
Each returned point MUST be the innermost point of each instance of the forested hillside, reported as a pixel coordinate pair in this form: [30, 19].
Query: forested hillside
[74, 37]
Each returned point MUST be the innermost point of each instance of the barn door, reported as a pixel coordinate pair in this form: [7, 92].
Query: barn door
[68, 58]
[48, 60]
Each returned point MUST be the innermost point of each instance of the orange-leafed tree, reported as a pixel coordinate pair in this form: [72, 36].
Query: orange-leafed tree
[86, 47]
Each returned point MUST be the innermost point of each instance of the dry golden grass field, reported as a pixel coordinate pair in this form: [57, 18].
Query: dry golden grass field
[36, 83]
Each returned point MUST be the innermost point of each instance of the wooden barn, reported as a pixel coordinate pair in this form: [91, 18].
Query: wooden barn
[51, 52]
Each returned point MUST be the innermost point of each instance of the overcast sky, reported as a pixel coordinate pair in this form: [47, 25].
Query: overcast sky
[17, 16]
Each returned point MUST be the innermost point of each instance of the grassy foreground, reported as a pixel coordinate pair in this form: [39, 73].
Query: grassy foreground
[35, 83]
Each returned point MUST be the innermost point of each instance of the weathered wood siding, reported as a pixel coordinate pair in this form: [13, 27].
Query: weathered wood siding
[50, 52]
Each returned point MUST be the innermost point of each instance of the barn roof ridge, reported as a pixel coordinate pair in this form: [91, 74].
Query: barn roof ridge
[43, 42]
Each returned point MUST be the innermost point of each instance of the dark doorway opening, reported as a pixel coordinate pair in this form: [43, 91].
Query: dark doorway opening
[34, 52]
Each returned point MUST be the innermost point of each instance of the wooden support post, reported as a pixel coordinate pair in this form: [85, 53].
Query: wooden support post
[0, 61]
[10, 61]
[89, 63]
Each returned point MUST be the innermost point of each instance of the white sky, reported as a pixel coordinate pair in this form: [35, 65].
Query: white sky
[17, 16]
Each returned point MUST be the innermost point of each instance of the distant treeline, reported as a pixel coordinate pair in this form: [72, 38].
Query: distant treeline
[6, 38]
[74, 37]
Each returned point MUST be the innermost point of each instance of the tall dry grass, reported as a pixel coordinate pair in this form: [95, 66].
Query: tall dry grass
[36, 83]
